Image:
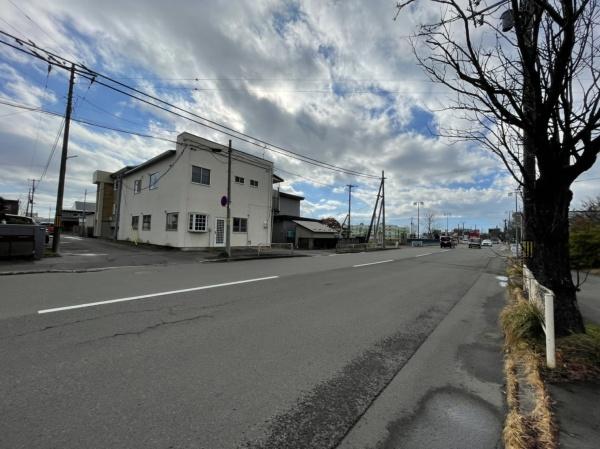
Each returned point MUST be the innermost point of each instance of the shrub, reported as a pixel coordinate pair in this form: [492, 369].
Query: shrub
[520, 321]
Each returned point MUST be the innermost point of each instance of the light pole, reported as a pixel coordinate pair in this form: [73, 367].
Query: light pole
[447, 215]
[418, 203]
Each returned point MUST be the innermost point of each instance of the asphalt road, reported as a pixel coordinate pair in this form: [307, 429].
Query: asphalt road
[283, 353]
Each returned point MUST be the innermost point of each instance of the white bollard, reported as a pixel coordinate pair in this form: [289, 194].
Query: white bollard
[549, 321]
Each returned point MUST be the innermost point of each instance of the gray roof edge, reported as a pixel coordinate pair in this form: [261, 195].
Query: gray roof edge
[164, 155]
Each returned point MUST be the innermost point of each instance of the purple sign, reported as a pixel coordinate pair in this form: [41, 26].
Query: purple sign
[224, 201]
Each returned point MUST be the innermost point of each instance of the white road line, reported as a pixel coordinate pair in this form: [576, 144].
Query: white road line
[152, 295]
[85, 254]
[444, 251]
[372, 263]
[421, 255]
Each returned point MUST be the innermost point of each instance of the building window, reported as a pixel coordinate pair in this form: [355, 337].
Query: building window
[200, 175]
[197, 222]
[253, 183]
[172, 219]
[116, 185]
[240, 224]
[137, 186]
[135, 220]
[153, 184]
[146, 222]
[239, 180]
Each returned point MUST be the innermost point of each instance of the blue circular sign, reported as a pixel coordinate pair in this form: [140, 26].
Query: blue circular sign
[224, 200]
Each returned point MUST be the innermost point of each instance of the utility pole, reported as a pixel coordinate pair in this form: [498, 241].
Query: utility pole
[228, 227]
[28, 202]
[84, 214]
[63, 165]
[383, 203]
[349, 207]
[30, 196]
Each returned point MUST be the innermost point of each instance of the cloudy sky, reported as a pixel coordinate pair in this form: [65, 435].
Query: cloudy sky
[332, 80]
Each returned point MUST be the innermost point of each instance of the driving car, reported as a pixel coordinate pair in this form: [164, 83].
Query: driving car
[475, 243]
[446, 242]
[486, 242]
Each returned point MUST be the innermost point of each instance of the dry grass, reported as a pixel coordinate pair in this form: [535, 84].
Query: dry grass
[577, 358]
[521, 321]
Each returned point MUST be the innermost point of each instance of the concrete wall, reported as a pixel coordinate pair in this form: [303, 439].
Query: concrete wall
[289, 206]
[177, 193]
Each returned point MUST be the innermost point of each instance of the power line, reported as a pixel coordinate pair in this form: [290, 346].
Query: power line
[90, 74]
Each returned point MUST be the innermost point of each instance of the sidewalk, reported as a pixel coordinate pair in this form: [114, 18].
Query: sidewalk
[577, 405]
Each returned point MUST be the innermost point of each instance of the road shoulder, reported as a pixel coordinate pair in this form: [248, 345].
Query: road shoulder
[461, 405]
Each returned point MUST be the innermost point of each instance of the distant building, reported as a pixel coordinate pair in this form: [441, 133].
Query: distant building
[302, 232]
[9, 206]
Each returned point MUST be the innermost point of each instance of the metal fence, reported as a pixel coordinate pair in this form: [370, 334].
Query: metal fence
[543, 298]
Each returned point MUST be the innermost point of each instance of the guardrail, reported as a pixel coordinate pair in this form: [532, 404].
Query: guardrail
[543, 298]
[356, 247]
[275, 247]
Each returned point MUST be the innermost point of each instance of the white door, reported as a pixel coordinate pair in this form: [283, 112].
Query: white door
[219, 232]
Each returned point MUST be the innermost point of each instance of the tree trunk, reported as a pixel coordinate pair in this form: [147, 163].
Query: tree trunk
[548, 228]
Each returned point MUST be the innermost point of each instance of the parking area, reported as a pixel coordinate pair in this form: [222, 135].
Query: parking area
[79, 253]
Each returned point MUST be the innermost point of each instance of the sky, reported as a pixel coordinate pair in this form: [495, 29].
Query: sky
[336, 81]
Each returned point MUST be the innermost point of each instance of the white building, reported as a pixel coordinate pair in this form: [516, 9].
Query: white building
[178, 198]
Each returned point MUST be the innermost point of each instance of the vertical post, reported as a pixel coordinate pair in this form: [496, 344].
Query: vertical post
[349, 208]
[28, 202]
[383, 203]
[228, 227]
[63, 165]
[549, 328]
[118, 211]
[84, 215]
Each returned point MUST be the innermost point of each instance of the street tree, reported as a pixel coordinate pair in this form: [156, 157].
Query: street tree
[525, 79]
[332, 223]
[430, 218]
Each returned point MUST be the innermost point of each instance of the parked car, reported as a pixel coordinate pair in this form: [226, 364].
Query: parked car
[475, 243]
[446, 242]
[16, 219]
[486, 242]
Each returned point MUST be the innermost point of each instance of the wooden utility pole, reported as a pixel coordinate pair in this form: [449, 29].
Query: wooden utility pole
[349, 208]
[63, 165]
[383, 204]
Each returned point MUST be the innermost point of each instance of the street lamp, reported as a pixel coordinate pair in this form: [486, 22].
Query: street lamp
[418, 203]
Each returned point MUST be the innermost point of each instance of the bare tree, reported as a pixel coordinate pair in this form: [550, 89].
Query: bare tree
[430, 218]
[529, 92]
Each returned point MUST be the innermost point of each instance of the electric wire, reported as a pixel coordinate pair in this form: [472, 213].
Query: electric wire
[90, 74]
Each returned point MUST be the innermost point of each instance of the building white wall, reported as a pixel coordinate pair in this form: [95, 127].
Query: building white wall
[177, 193]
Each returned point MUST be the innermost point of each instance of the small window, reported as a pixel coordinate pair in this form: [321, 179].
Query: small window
[200, 175]
[253, 183]
[137, 186]
[116, 185]
[197, 222]
[146, 222]
[239, 180]
[240, 224]
[172, 219]
[135, 222]
[153, 184]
